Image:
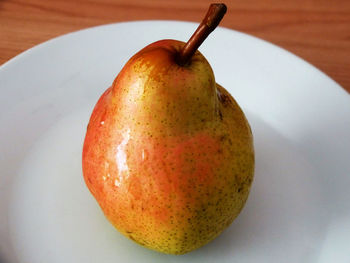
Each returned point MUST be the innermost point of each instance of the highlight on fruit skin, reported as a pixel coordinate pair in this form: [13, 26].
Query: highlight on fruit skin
[168, 153]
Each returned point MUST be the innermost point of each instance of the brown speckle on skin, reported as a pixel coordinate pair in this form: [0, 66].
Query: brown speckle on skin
[224, 98]
[220, 115]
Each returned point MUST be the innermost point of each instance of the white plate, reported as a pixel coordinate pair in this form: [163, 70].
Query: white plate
[299, 207]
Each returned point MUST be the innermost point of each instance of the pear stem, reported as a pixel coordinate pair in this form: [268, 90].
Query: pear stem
[211, 20]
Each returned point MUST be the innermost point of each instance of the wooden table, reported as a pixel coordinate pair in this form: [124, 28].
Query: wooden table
[316, 30]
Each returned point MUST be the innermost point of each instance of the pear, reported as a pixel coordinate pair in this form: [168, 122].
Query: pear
[168, 153]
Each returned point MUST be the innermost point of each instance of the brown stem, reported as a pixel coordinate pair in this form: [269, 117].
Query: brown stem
[211, 20]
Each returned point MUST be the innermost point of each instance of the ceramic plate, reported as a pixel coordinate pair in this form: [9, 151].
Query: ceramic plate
[299, 206]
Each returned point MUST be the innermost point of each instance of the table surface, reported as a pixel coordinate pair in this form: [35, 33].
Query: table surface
[316, 30]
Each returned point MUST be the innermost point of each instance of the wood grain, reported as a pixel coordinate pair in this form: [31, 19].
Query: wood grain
[316, 30]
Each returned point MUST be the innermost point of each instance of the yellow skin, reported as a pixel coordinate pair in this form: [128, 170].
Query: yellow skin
[168, 153]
